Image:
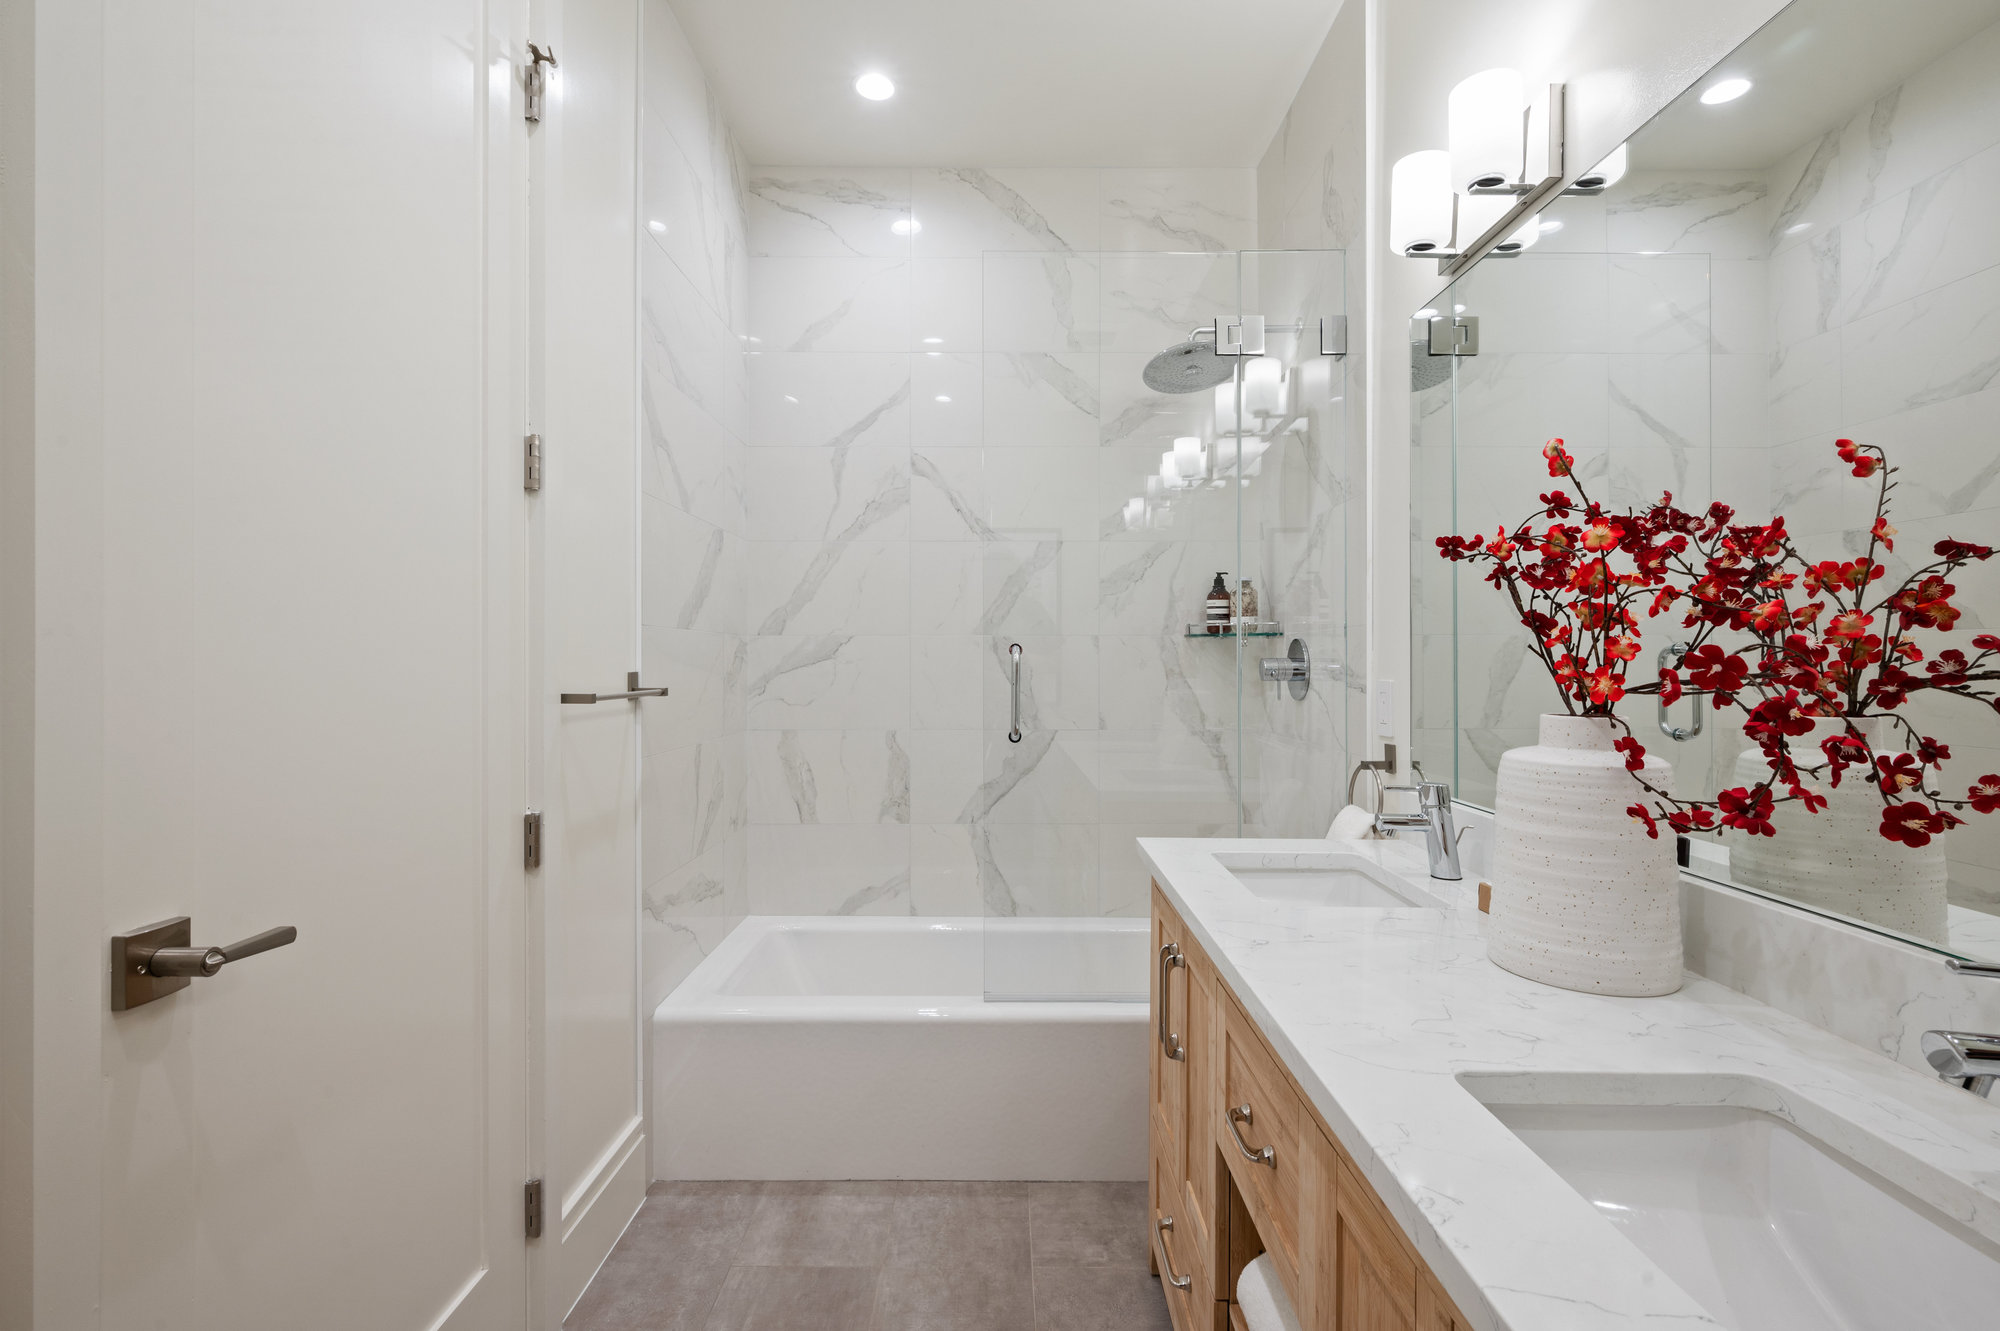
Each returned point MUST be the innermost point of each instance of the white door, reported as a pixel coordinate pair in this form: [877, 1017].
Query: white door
[590, 1144]
[280, 674]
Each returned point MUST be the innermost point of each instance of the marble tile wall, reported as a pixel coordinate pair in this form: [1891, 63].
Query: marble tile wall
[694, 576]
[946, 421]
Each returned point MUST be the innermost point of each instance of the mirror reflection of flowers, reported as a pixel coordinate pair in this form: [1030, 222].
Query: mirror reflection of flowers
[1784, 640]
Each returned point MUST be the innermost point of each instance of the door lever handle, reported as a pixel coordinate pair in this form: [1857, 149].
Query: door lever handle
[632, 690]
[155, 961]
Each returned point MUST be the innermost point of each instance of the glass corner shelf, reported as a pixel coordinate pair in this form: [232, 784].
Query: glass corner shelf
[1254, 628]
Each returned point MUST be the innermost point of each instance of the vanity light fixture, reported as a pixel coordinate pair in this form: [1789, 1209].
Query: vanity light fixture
[1602, 176]
[876, 87]
[1479, 194]
[1725, 90]
[1188, 459]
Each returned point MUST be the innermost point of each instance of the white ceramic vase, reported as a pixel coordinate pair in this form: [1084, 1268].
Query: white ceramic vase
[1582, 897]
[1837, 860]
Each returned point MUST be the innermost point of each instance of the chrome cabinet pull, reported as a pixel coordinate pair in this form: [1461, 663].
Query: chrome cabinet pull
[632, 690]
[1014, 735]
[1161, 1228]
[150, 963]
[1170, 957]
[1677, 650]
[1266, 1156]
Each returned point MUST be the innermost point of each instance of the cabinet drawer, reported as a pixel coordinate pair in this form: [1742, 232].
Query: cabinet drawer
[1176, 1252]
[1257, 1130]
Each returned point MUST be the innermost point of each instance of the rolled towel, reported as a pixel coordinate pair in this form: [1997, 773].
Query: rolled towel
[1262, 1298]
[1352, 823]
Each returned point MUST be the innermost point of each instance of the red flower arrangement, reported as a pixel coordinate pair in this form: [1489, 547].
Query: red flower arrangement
[1781, 639]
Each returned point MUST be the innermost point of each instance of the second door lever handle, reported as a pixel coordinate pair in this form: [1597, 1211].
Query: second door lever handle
[209, 960]
[632, 690]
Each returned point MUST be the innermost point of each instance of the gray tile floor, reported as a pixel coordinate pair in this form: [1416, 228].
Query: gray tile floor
[880, 1257]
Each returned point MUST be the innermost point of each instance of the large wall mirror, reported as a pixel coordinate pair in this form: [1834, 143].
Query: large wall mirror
[1805, 246]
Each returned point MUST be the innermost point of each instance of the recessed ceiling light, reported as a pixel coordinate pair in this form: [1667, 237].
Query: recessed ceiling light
[942, 398]
[1728, 90]
[933, 341]
[906, 226]
[875, 87]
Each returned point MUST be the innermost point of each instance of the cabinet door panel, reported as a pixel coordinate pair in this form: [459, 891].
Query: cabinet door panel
[1377, 1278]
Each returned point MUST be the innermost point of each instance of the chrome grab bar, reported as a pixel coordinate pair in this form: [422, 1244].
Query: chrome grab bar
[1264, 1156]
[1014, 735]
[1161, 1228]
[1677, 650]
[632, 690]
[1170, 957]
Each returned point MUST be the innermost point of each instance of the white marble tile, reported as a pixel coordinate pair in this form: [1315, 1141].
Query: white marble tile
[827, 587]
[1184, 208]
[1171, 773]
[1810, 191]
[1059, 683]
[829, 399]
[1047, 302]
[829, 304]
[692, 574]
[947, 408]
[1516, 400]
[1804, 390]
[1544, 303]
[1042, 493]
[1150, 682]
[1945, 467]
[842, 869]
[693, 799]
[1805, 289]
[707, 674]
[814, 210]
[945, 681]
[969, 210]
[828, 776]
[1943, 344]
[690, 459]
[1658, 304]
[946, 769]
[947, 304]
[1045, 586]
[835, 494]
[1943, 114]
[1709, 212]
[684, 344]
[683, 213]
[1660, 405]
[948, 495]
[688, 912]
[946, 586]
[944, 875]
[1035, 868]
[1148, 302]
[1040, 399]
[831, 681]
[1739, 306]
[1940, 230]
[1157, 587]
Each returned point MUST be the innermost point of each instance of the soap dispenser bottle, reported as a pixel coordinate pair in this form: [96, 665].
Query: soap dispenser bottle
[1221, 609]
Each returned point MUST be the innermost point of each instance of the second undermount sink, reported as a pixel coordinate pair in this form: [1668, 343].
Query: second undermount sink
[1762, 1224]
[1318, 880]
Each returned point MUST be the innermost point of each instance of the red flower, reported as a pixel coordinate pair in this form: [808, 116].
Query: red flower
[1961, 551]
[1913, 824]
[1644, 815]
[1556, 503]
[1770, 617]
[1635, 753]
[1747, 810]
[1898, 772]
[1987, 642]
[1560, 462]
[1691, 820]
[1599, 536]
[1713, 670]
[1813, 801]
[1884, 533]
[1670, 687]
[1851, 454]
[1606, 687]
[1853, 624]
[1933, 754]
[1985, 793]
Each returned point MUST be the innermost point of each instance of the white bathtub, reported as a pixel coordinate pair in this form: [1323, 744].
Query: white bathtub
[809, 1048]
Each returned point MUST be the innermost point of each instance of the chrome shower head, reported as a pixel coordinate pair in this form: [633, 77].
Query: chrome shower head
[1190, 366]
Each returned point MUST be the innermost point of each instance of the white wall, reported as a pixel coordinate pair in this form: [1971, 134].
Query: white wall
[695, 416]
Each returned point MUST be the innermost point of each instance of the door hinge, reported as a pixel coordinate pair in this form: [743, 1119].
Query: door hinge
[531, 462]
[1240, 337]
[1454, 335]
[531, 1200]
[531, 839]
[536, 81]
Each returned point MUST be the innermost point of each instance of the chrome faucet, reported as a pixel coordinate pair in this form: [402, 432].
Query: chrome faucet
[1972, 1061]
[1434, 816]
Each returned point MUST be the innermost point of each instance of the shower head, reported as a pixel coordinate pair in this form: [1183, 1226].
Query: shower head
[1190, 366]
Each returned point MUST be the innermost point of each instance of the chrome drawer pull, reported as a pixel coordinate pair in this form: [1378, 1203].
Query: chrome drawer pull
[1161, 1226]
[1266, 1156]
[1170, 957]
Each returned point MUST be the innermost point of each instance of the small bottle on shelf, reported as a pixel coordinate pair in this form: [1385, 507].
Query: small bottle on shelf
[1246, 606]
[1221, 608]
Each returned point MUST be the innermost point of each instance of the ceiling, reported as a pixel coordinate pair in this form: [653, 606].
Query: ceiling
[1812, 67]
[1007, 82]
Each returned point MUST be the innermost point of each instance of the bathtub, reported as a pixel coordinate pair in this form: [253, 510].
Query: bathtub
[816, 1048]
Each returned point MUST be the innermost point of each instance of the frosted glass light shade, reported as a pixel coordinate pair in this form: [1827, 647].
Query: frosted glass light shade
[1484, 126]
[1526, 235]
[1606, 173]
[1264, 387]
[1420, 202]
[1226, 419]
[1478, 214]
[1187, 457]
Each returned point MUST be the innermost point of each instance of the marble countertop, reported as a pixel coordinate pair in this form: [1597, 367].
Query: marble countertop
[1378, 1013]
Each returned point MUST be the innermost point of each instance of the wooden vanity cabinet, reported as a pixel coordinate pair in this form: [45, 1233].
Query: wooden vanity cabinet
[1244, 1164]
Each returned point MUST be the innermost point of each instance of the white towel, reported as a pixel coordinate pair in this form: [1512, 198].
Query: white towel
[1262, 1297]
[1352, 823]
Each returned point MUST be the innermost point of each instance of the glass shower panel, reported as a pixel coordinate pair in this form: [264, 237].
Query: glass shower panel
[1301, 535]
[1609, 352]
[1105, 512]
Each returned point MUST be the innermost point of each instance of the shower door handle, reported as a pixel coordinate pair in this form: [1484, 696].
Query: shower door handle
[632, 690]
[1014, 735]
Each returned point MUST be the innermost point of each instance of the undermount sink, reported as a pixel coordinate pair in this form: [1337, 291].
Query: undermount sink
[1318, 880]
[1762, 1224]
